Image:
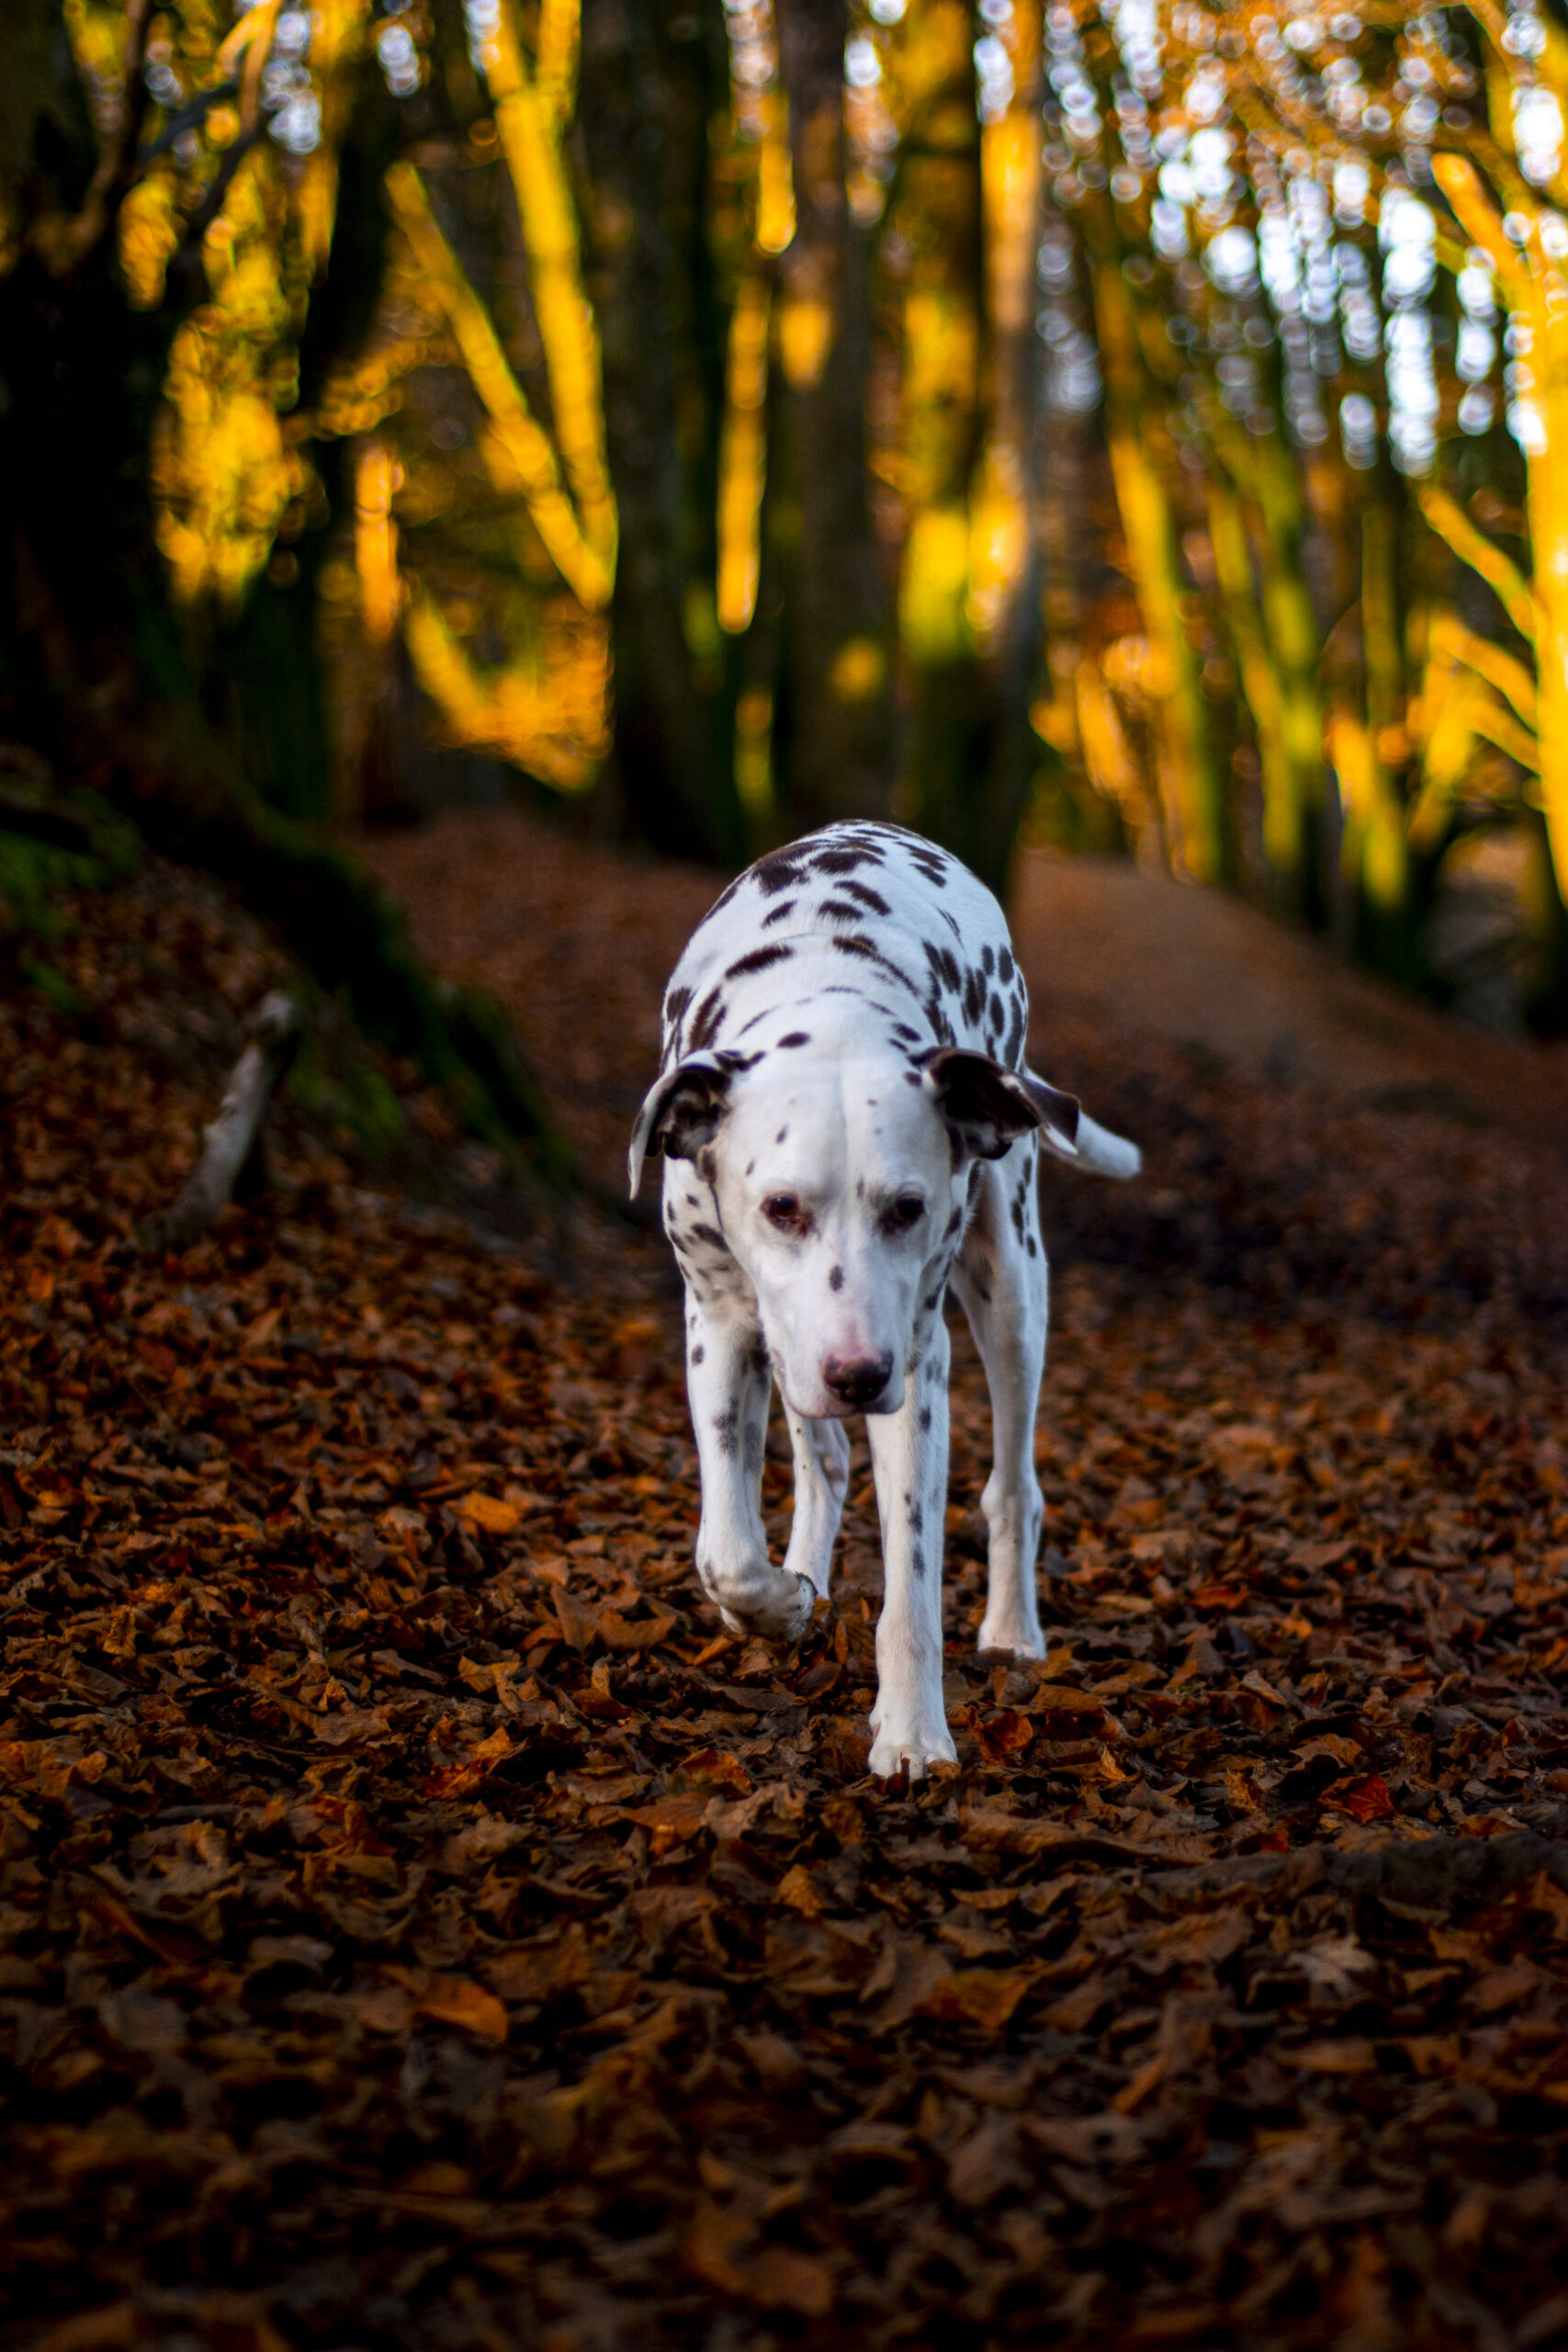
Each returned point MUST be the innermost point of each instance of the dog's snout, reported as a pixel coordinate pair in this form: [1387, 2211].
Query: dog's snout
[858, 1379]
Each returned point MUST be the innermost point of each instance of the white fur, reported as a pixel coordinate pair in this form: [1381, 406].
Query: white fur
[844, 1041]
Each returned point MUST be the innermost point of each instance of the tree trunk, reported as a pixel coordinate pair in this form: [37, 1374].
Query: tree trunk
[835, 740]
[678, 790]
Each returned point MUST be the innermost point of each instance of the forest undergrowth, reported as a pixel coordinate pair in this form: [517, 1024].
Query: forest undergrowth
[420, 1927]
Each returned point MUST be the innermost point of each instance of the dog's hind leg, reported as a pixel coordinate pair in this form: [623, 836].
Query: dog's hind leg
[728, 1380]
[821, 1482]
[1002, 1282]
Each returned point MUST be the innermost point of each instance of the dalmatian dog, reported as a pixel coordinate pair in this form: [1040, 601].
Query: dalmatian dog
[848, 1128]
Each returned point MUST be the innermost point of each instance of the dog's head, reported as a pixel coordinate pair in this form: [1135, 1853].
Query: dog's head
[840, 1179]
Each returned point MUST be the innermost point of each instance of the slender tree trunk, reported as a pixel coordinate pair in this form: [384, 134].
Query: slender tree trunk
[678, 790]
[837, 751]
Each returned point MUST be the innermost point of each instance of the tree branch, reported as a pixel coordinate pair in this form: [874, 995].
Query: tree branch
[233, 1142]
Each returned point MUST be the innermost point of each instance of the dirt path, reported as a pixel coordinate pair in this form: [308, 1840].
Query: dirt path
[532, 915]
[419, 1928]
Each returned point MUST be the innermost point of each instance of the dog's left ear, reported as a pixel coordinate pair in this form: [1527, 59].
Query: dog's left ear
[681, 1113]
[988, 1108]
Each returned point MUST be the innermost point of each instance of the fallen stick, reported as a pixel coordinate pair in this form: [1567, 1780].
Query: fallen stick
[233, 1145]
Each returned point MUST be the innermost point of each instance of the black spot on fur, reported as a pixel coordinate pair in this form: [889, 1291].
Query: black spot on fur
[906, 1036]
[726, 1430]
[840, 910]
[836, 1278]
[1004, 964]
[997, 1014]
[705, 1020]
[944, 967]
[1015, 1036]
[987, 960]
[973, 998]
[708, 1233]
[795, 1037]
[760, 959]
[856, 943]
[916, 1560]
[873, 901]
[781, 913]
[925, 1417]
[844, 860]
[699, 1354]
[781, 1135]
[780, 870]
[675, 1004]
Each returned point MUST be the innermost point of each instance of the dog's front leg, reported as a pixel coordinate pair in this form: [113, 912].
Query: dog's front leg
[728, 1381]
[821, 1482]
[908, 1452]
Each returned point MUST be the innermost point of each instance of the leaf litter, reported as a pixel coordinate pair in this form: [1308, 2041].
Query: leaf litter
[420, 1926]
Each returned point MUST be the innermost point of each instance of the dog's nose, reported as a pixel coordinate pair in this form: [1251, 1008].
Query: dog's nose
[858, 1379]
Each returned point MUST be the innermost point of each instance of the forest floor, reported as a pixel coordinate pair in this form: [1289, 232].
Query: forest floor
[419, 1928]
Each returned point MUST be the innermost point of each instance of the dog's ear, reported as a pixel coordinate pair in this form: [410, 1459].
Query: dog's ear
[681, 1113]
[988, 1108]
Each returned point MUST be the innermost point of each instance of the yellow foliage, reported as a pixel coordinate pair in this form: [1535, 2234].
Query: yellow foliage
[548, 718]
[521, 451]
[806, 337]
[999, 541]
[857, 671]
[222, 472]
[1105, 752]
[776, 178]
[150, 227]
[933, 588]
[743, 458]
[376, 540]
[530, 138]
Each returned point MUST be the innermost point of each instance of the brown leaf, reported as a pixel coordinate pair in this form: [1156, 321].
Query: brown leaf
[981, 1996]
[1351, 2056]
[1366, 1799]
[1003, 1737]
[455, 2000]
[489, 1514]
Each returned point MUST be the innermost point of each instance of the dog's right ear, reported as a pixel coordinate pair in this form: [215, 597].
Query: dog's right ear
[680, 1114]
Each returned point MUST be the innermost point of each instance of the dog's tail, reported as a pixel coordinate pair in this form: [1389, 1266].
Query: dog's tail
[1105, 1154]
[1092, 1146]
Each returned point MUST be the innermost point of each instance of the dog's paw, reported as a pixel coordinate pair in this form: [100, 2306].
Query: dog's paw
[890, 1754]
[780, 1615]
[1004, 1640]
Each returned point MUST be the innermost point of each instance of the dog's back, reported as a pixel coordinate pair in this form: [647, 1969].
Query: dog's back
[865, 909]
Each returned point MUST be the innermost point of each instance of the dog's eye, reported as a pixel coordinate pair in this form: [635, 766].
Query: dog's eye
[904, 1212]
[783, 1210]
